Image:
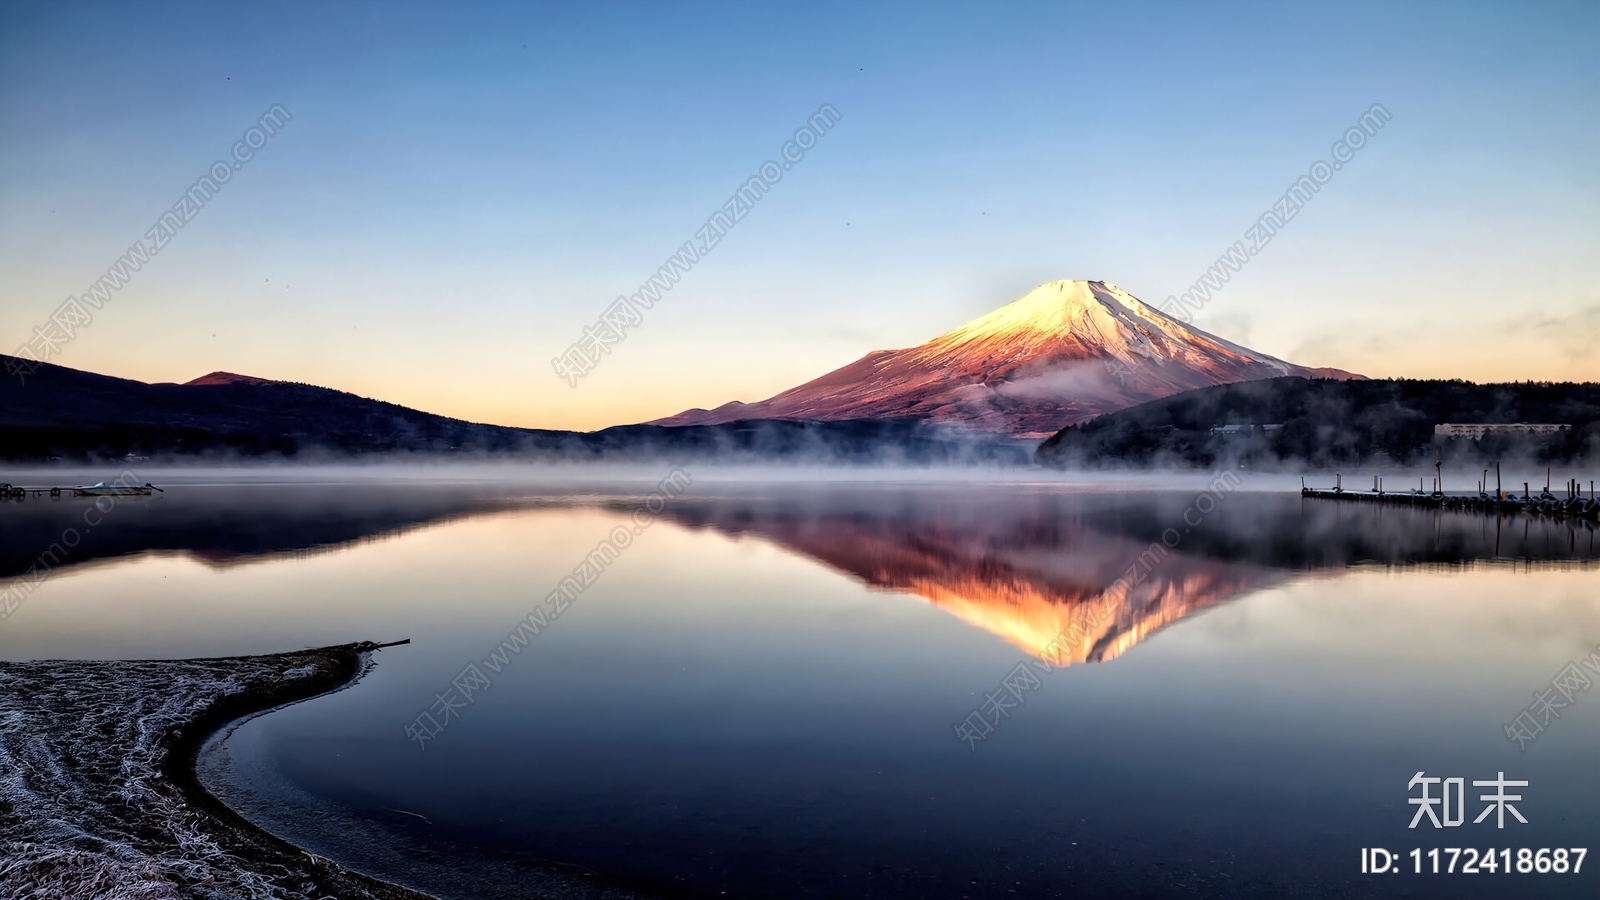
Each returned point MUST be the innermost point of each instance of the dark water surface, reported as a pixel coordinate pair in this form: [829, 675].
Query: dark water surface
[759, 696]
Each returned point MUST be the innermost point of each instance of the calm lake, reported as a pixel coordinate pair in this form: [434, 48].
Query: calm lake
[870, 690]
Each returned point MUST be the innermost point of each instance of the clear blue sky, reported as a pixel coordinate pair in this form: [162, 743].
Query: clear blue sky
[464, 186]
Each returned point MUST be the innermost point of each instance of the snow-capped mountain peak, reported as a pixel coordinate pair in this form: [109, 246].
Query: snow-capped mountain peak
[1065, 352]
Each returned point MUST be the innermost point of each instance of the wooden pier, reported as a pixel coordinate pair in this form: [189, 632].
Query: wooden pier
[1570, 504]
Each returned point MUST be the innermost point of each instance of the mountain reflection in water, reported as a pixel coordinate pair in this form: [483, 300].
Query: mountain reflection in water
[229, 525]
[1028, 566]
[1021, 562]
[721, 713]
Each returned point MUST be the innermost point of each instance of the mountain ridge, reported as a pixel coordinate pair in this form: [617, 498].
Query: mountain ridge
[215, 378]
[68, 414]
[1063, 353]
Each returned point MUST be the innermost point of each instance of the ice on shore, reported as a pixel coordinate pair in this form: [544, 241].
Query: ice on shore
[86, 805]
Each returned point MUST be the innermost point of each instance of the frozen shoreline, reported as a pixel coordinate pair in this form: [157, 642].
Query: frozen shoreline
[98, 795]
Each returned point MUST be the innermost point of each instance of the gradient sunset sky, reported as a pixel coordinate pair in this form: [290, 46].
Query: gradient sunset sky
[464, 186]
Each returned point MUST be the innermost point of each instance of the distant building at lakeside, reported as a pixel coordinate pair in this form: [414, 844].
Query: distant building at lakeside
[1233, 430]
[1478, 431]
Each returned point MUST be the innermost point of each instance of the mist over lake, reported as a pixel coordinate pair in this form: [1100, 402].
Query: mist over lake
[763, 693]
[799, 451]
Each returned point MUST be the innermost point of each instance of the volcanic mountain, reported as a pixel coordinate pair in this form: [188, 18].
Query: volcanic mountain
[1066, 352]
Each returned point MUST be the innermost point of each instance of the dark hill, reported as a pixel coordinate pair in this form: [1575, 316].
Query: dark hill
[77, 416]
[1325, 422]
[68, 413]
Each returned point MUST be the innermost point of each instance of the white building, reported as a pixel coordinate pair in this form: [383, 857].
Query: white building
[1477, 432]
[1236, 430]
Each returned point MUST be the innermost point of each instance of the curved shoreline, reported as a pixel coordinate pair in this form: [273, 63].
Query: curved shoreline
[99, 792]
[346, 663]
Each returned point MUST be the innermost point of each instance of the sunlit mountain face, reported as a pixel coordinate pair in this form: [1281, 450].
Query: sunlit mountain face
[1066, 352]
[1052, 585]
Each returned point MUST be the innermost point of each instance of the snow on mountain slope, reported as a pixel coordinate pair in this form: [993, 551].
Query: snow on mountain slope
[1066, 352]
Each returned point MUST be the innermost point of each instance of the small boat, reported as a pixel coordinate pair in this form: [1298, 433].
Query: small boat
[114, 490]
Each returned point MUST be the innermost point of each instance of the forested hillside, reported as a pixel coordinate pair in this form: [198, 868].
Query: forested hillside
[1326, 422]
